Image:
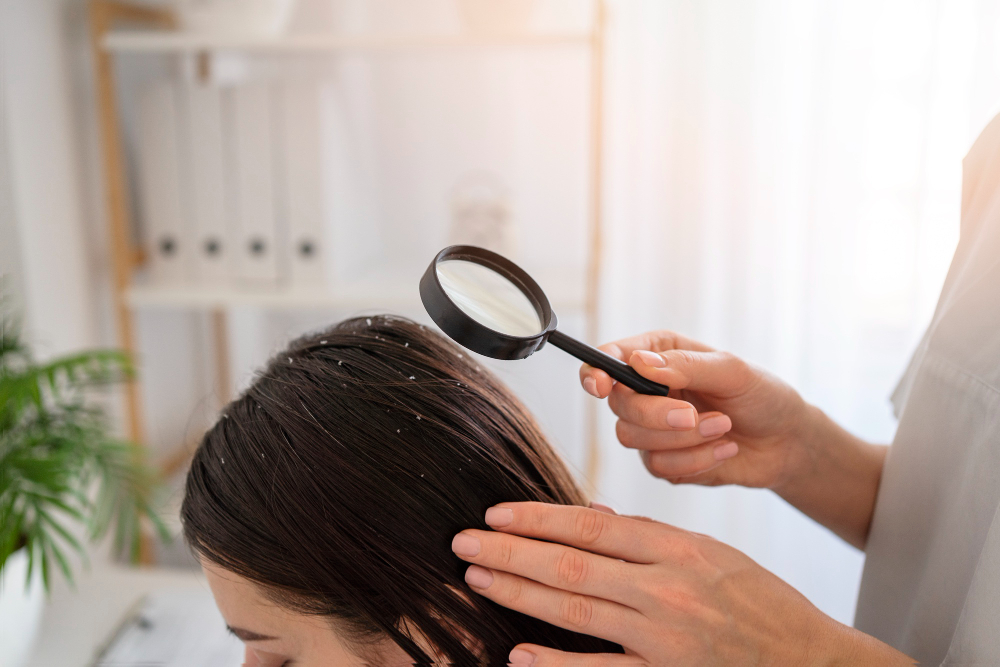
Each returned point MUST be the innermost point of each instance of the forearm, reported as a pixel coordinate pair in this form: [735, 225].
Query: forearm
[846, 647]
[838, 480]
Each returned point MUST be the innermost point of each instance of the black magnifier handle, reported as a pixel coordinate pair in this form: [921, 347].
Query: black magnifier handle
[618, 370]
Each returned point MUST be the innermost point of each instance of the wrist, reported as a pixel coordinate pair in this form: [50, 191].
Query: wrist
[815, 435]
[836, 478]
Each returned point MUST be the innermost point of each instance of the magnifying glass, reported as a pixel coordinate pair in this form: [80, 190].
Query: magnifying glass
[489, 305]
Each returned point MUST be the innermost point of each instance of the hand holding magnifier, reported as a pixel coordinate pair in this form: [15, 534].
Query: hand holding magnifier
[487, 304]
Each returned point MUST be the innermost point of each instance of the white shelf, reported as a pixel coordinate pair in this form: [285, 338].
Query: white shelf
[207, 297]
[356, 298]
[159, 41]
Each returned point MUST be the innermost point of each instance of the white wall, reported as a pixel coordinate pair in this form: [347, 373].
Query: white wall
[42, 188]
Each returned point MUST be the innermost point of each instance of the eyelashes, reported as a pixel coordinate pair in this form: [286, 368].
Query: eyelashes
[257, 658]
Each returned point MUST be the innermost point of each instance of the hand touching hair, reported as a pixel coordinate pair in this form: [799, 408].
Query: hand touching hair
[338, 479]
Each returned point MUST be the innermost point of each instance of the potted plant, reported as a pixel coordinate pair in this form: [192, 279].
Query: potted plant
[62, 475]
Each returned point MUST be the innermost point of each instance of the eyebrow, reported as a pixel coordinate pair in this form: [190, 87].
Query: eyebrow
[248, 635]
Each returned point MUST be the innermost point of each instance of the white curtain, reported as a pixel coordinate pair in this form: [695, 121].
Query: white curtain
[783, 181]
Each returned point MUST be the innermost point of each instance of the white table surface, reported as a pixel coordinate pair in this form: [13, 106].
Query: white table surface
[76, 624]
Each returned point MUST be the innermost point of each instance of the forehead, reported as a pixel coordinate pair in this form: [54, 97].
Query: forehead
[241, 601]
[307, 639]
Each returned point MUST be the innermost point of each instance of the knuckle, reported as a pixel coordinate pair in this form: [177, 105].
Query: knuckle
[654, 465]
[659, 465]
[647, 413]
[684, 599]
[691, 464]
[614, 349]
[571, 568]
[737, 367]
[615, 401]
[686, 357]
[590, 527]
[504, 554]
[676, 465]
[514, 592]
[686, 551]
[729, 358]
[623, 432]
[531, 520]
[576, 611]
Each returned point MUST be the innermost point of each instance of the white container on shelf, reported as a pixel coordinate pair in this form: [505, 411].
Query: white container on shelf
[256, 234]
[208, 185]
[163, 205]
[303, 103]
[259, 18]
[20, 610]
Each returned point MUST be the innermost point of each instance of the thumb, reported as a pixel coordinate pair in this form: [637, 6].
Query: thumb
[717, 373]
[524, 655]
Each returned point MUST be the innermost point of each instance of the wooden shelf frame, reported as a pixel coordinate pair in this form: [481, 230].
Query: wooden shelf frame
[125, 253]
[113, 31]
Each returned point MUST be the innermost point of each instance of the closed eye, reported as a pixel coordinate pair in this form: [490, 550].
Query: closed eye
[248, 635]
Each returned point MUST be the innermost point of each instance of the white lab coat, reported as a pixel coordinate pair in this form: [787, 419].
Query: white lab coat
[931, 583]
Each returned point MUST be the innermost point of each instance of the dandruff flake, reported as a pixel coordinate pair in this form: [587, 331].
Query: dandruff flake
[413, 377]
[369, 321]
[340, 363]
[322, 342]
[406, 345]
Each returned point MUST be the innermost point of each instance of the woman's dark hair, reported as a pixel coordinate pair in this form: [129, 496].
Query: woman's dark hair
[339, 478]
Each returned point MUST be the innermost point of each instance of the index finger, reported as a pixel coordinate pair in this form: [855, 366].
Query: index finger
[620, 537]
[599, 383]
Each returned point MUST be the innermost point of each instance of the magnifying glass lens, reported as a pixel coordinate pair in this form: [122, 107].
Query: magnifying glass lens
[491, 306]
[489, 298]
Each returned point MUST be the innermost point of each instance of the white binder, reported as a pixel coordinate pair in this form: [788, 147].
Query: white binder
[304, 102]
[160, 191]
[256, 236]
[211, 244]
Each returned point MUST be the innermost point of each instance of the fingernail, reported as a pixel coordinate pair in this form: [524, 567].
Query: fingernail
[601, 507]
[465, 545]
[682, 418]
[715, 426]
[521, 658]
[478, 577]
[726, 451]
[650, 358]
[590, 386]
[498, 517]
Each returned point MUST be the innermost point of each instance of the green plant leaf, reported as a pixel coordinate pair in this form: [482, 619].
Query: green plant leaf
[63, 564]
[61, 531]
[55, 447]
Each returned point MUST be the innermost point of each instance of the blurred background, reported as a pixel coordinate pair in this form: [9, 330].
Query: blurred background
[200, 181]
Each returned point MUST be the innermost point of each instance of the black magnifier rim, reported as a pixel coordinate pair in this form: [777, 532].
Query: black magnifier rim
[465, 330]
